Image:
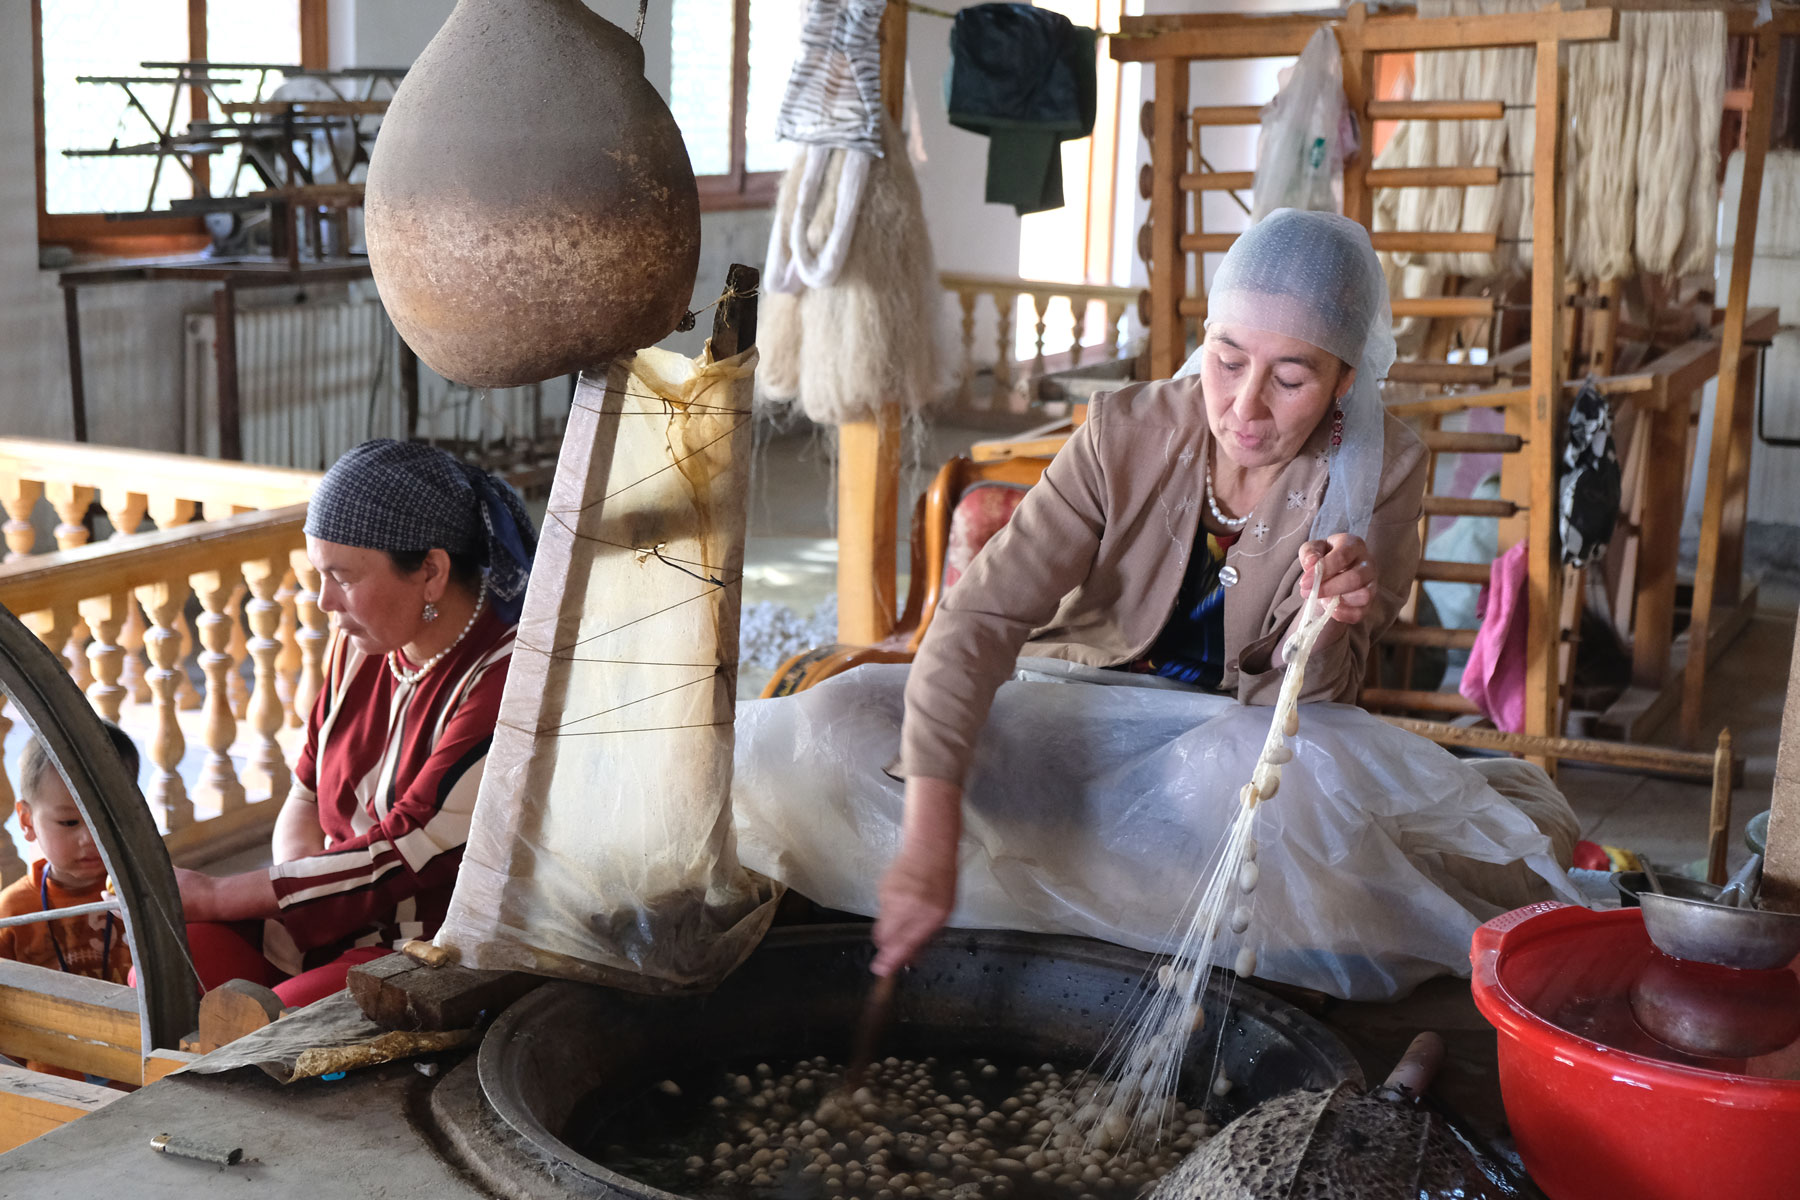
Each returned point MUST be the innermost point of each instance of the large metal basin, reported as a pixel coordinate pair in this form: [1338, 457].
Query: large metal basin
[802, 992]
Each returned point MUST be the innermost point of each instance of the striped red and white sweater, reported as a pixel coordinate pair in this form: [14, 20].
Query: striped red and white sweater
[394, 769]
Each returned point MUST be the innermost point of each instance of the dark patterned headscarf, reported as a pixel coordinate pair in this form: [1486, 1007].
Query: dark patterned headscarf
[405, 497]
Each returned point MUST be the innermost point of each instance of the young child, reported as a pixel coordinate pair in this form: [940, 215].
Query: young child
[69, 873]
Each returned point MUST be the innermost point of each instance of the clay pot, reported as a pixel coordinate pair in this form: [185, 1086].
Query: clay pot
[530, 207]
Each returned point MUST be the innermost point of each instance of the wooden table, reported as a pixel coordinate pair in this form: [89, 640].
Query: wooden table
[230, 274]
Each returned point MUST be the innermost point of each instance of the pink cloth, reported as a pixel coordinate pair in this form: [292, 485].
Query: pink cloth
[1495, 677]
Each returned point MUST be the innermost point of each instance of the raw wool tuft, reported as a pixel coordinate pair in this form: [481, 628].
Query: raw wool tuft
[874, 336]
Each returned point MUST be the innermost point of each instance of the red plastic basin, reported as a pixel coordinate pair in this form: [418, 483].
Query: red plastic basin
[1597, 1106]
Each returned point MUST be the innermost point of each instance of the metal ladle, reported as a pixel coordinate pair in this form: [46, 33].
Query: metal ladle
[1714, 932]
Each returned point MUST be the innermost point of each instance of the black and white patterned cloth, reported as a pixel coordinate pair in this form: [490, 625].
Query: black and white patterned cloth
[834, 93]
[406, 496]
[1591, 479]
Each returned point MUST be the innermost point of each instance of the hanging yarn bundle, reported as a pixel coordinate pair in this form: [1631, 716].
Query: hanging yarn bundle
[867, 334]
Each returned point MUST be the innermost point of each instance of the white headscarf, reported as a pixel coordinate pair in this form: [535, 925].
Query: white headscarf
[1314, 276]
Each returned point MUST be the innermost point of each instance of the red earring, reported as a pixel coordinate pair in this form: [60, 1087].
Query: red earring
[1337, 424]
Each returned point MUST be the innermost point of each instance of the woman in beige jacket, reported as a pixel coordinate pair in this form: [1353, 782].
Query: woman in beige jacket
[1170, 543]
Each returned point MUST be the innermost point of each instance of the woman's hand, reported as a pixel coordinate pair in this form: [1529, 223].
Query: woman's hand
[919, 890]
[1342, 562]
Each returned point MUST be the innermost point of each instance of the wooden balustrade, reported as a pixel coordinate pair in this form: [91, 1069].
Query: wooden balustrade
[1084, 301]
[116, 611]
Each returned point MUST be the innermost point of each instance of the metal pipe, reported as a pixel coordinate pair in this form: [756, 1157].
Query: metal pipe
[53, 914]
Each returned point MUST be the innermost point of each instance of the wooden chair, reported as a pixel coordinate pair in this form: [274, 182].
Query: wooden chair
[942, 522]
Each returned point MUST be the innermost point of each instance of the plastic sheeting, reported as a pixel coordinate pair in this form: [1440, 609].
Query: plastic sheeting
[601, 847]
[1093, 809]
[1300, 155]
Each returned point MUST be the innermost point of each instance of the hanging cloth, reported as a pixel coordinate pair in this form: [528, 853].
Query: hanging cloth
[1024, 77]
[1494, 678]
[1591, 479]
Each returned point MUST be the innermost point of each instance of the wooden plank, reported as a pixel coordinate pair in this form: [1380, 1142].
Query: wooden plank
[165, 1062]
[1461, 374]
[1728, 459]
[1168, 264]
[1217, 181]
[1544, 573]
[70, 1021]
[33, 1103]
[1453, 441]
[217, 837]
[1227, 114]
[1438, 110]
[399, 992]
[1406, 177]
[1650, 760]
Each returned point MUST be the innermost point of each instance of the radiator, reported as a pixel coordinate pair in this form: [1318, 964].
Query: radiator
[317, 379]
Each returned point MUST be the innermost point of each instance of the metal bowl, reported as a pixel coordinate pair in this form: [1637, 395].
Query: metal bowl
[1630, 884]
[1749, 939]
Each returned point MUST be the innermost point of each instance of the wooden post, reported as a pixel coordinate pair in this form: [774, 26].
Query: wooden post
[1781, 861]
[105, 615]
[168, 794]
[219, 776]
[264, 710]
[1544, 570]
[1728, 463]
[1168, 264]
[313, 635]
[1359, 78]
[1658, 545]
[868, 484]
[231, 437]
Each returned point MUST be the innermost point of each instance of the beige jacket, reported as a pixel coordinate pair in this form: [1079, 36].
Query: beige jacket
[1089, 566]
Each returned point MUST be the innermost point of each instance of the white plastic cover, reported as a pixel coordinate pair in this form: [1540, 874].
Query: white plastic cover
[1314, 276]
[1092, 809]
[1300, 154]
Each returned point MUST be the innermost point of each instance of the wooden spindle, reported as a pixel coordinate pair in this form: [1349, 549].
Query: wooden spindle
[218, 777]
[126, 511]
[163, 604]
[105, 615]
[287, 660]
[1005, 304]
[20, 497]
[71, 502]
[239, 687]
[266, 713]
[967, 298]
[1078, 310]
[53, 626]
[1040, 307]
[314, 634]
[1109, 338]
[168, 512]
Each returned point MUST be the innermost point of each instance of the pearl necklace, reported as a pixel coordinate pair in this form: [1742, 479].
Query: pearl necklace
[1218, 515]
[408, 678]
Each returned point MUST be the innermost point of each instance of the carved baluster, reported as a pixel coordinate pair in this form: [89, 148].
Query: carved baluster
[240, 654]
[1040, 305]
[218, 776]
[126, 511]
[163, 604]
[11, 865]
[287, 662]
[1109, 338]
[20, 496]
[105, 615]
[967, 298]
[266, 712]
[71, 502]
[1078, 312]
[314, 634]
[52, 626]
[168, 512]
[1006, 303]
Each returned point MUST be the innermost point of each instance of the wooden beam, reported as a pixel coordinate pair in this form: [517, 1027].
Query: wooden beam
[1168, 263]
[1273, 37]
[1544, 572]
[33, 1103]
[1444, 702]
[1227, 114]
[868, 514]
[70, 1021]
[1463, 374]
[399, 992]
[1728, 458]
[1649, 760]
[1457, 441]
[1405, 177]
[1438, 110]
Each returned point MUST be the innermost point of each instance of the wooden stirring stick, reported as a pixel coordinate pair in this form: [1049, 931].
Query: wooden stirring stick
[876, 1011]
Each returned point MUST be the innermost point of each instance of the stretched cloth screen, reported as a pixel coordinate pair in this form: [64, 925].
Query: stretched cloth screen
[602, 845]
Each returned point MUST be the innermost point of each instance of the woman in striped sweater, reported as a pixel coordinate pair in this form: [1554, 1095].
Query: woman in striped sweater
[423, 561]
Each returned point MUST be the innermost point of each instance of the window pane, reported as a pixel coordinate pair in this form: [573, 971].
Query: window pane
[700, 81]
[267, 31]
[774, 42]
[108, 37]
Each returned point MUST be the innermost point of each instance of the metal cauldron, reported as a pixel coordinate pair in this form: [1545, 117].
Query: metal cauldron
[801, 993]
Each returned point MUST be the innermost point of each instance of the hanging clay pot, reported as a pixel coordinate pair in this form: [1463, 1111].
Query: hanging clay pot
[530, 206]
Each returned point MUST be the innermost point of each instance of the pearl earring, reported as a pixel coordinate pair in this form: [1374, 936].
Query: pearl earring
[431, 611]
